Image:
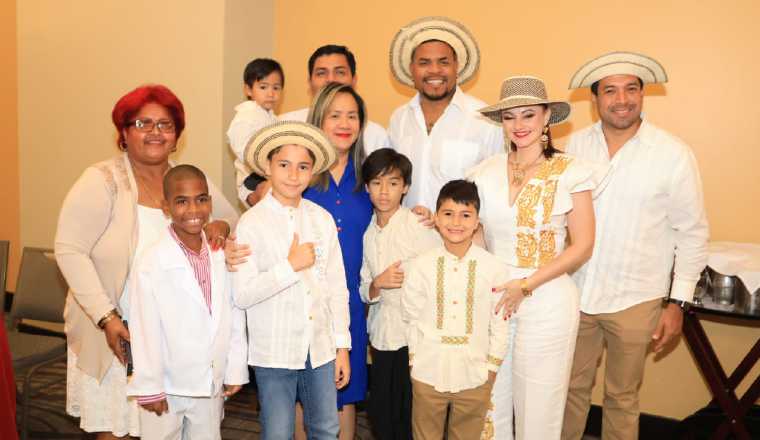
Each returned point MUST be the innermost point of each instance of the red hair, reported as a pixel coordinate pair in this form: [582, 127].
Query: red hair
[130, 104]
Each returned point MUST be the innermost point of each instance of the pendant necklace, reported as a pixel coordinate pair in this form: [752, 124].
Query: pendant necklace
[518, 174]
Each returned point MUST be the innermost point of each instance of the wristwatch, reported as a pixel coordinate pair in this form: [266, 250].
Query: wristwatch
[524, 287]
[679, 302]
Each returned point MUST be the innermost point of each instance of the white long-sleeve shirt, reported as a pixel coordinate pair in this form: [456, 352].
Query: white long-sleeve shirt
[402, 239]
[650, 220]
[291, 314]
[375, 136]
[455, 339]
[249, 118]
[459, 140]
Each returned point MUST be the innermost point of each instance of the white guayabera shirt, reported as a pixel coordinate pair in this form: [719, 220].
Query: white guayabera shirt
[291, 314]
[650, 220]
[402, 239]
[459, 140]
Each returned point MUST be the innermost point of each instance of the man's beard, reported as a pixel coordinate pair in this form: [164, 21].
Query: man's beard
[442, 97]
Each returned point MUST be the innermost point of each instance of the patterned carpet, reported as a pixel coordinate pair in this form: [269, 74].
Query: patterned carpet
[48, 419]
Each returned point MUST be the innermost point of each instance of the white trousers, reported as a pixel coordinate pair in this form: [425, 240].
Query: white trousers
[535, 376]
[189, 418]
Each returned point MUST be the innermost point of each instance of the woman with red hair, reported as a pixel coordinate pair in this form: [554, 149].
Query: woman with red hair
[109, 216]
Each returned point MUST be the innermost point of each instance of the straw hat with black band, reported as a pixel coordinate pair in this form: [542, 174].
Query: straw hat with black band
[619, 63]
[434, 28]
[519, 91]
[289, 133]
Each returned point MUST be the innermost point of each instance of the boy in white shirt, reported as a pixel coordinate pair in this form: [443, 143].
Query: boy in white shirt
[293, 286]
[456, 342]
[188, 340]
[394, 236]
[263, 81]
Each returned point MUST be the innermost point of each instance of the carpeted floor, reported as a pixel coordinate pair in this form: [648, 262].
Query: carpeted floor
[48, 418]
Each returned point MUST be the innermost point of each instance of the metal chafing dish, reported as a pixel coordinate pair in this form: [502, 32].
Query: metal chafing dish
[727, 290]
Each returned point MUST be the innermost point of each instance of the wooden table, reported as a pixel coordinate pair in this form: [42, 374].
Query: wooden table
[723, 387]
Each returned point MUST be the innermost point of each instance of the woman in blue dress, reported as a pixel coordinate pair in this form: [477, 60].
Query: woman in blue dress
[340, 112]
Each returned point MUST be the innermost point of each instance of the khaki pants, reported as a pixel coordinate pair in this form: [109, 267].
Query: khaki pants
[627, 335]
[468, 411]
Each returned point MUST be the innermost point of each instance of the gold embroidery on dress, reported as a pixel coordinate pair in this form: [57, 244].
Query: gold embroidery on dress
[536, 248]
[546, 247]
[472, 265]
[439, 297]
[526, 249]
[526, 205]
[494, 360]
[548, 200]
[488, 429]
[455, 340]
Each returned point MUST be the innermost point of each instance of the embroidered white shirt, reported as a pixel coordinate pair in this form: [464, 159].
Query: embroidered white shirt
[249, 118]
[375, 136]
[291, 314]
[460, 139]
[454, 336]
[402, 239]
[650, 220]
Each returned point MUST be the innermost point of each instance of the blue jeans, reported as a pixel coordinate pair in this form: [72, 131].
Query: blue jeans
[315, 389]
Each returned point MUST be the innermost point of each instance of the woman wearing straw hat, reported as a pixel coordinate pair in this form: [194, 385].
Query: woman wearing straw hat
[532, 198]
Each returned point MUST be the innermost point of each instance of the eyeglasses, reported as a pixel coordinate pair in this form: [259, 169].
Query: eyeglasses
[146, 125]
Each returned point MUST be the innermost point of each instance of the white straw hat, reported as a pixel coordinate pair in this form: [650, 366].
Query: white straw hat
[619, 63]
[289, 133]
[434, 28]
[519, 91]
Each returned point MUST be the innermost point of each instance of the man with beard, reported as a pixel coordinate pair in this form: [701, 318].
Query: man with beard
[650, 223]
[439, 129]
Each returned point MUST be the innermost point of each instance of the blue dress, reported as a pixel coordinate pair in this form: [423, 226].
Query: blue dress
[352, 212]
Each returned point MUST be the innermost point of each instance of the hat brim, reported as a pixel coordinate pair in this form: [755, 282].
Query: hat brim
[434, 28]
[289, 133]
[560, 109]
[649, 70]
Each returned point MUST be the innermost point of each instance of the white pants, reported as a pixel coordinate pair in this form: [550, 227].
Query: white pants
[189, 418]
[545, 329]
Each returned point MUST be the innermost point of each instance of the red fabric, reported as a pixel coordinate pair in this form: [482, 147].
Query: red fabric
[7, 388]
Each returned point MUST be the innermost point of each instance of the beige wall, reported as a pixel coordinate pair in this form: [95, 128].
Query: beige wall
[9, 178]
[708, 49]
[77, 58]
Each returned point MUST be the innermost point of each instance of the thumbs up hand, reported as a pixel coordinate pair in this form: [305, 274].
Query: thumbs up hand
[301, 255]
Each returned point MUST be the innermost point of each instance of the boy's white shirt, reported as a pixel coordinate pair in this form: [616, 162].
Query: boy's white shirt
[249, 118]
[291, 314]
[178, 348]
[402, 239]
[452, 344]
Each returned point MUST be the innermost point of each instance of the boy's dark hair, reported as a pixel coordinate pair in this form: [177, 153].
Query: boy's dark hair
[460, 191]
[182, 172]
[331, 49]
[259, 69]
[595, 86]
[382, 162]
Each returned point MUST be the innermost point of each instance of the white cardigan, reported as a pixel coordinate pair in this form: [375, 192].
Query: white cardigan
[178, 348]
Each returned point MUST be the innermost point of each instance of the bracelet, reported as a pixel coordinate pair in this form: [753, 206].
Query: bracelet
[524, 287]
[107, 317]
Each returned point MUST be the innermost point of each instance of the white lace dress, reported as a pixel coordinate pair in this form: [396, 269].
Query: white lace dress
[104, 407]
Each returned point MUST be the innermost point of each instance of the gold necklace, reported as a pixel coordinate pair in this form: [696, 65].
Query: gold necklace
[518, 174]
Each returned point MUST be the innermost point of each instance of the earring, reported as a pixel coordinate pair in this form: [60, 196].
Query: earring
[545, 138]
[123, 146]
